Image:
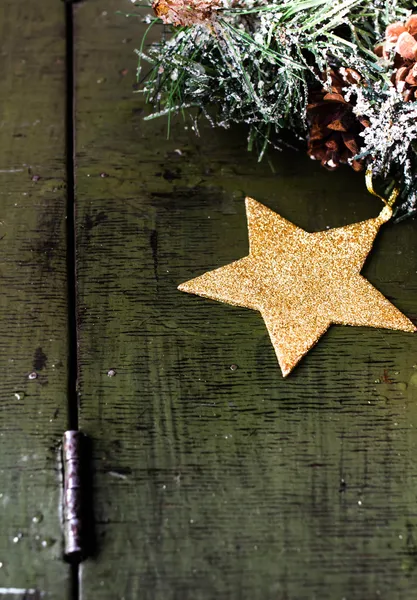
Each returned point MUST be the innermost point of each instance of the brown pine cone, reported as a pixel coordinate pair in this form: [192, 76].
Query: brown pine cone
[334, 128]
[185, 13]
[401, 44]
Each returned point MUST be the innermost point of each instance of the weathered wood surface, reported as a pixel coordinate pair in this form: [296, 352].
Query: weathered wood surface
[33, 311]
[211, 482]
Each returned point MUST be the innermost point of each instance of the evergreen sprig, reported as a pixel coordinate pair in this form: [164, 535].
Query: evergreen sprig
[255, 61]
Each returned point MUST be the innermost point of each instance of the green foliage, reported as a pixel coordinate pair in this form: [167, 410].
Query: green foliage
[254, 62]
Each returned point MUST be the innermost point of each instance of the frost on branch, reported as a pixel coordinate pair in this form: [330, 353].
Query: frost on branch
[258, 62]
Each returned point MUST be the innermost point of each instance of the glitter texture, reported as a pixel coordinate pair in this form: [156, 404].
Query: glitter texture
[302, 282]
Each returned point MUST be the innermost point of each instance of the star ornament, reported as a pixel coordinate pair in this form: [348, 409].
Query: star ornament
[302, 282]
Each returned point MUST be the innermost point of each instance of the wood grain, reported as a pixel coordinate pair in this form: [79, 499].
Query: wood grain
[33, 308]
[212, 482]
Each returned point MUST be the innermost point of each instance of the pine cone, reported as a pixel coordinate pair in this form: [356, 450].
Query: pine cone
[334, 128]
[185, 13]
[401, 44]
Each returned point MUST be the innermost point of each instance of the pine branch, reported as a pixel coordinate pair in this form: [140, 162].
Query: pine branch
[255, 62]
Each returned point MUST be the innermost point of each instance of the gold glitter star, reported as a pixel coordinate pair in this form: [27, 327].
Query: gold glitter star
[302, 282]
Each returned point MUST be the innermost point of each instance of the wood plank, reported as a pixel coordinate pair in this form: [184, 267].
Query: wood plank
[33, 307]
[210, 481]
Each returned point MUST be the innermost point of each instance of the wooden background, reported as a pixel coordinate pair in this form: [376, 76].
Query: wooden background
[209, 481]
[33, 297]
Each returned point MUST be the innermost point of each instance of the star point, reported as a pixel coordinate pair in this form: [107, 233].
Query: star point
[301, 282]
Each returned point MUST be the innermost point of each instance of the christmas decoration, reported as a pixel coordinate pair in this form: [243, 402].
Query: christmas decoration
[302, 282]
[401, 42]
[334, 134]
[184, 13]
[340, 74]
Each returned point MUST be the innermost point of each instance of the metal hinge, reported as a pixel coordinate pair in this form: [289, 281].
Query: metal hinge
[76, 497]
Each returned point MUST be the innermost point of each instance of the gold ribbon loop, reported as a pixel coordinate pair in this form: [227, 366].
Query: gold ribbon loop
[386, 212]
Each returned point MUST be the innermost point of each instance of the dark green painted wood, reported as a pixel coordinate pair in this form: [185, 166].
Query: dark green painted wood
[211, 482]
[33, 310]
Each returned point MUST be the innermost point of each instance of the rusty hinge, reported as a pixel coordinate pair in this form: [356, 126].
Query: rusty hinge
[76, 511]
